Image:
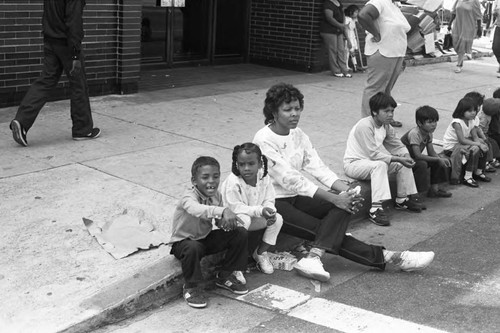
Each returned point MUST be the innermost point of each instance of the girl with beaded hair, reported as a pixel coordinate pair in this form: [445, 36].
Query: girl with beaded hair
[249, 193]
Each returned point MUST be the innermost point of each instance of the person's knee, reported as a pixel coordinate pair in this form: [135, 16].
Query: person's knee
[192, 248]
[241, 233]
[247, 220]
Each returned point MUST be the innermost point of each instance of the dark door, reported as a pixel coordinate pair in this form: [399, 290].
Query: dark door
[200, 32]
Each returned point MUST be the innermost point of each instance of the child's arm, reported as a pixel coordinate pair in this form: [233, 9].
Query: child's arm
[235, 200]
[460, 136]
[433, 156]
[191, 205]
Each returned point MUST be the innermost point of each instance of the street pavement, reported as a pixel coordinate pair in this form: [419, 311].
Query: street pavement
[55, 277]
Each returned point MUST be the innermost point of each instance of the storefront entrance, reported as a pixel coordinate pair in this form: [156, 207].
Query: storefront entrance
[200, 32]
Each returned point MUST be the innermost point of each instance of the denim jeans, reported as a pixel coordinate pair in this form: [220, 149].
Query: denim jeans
[57, 58]
[325, 225]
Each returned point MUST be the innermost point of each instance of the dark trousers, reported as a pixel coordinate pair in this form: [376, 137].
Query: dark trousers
[325, 225]
[190, 252]
[426, 173]
[57, 58]
[496, 44]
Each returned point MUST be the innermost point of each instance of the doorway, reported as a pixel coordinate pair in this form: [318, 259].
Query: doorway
[201, 32]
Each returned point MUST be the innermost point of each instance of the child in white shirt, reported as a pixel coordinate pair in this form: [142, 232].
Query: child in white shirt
[249, 193]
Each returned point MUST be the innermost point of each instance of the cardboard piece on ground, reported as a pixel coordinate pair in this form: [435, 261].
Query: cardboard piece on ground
[125, 235]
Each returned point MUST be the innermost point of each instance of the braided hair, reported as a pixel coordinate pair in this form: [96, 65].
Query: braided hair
[248, 148]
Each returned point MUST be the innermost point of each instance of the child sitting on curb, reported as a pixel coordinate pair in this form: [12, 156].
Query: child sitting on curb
[490, 110]
[249, 193]
[431, 168]
[373, 152]
[201, 226]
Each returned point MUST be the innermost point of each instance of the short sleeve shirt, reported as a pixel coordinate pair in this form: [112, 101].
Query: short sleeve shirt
[416, 137]
[393, 27]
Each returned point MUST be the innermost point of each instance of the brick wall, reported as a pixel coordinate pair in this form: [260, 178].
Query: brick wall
[111, 47]
[285, 33]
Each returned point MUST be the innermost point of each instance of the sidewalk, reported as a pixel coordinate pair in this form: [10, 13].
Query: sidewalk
[54, 277]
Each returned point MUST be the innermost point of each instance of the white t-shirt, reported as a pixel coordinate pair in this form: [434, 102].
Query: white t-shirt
[393, 27]
[450, 139]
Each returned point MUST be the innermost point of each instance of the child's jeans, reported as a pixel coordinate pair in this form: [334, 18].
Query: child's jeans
[257, 223]
[429, 173]
[378, 172]
[475, 159]
[190, 252]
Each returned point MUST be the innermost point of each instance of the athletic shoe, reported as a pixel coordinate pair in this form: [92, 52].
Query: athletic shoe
[263, 263]
[379, 218]
[92, 135]
[413, 261]
[194, 297]
[312, 267]
[18, 133]
[232, 284]
[495, 163]
[410, 205]
[240, 277]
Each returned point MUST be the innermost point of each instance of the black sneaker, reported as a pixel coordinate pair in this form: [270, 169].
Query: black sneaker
[18, 133]
[194, 297]
[379, 218]
[410, 205]
[482, 177]
[232, 284]
[92, 135]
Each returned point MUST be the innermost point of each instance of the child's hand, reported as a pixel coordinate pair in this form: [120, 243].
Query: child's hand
[483, 147]
[445, 162]
[407, 161]
[268, 212]
[229, 220]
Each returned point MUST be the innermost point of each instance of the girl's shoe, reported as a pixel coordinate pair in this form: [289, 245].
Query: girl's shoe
[470, 182]
[458, 69]
[490, 168]
[482, 177]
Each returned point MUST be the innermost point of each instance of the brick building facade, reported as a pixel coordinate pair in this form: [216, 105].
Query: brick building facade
[282, 33]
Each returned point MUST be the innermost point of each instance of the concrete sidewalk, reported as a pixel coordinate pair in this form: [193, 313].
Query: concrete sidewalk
[55, 277]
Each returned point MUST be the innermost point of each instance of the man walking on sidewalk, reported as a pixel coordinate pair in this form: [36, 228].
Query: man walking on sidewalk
[62, 27]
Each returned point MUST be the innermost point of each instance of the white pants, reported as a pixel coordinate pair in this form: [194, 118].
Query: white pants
[257, 223]
[378, 172]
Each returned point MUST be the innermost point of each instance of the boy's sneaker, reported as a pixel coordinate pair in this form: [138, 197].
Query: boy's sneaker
[18, 133]
[413, 261]
[194, 297]
[408, 204]
[312, 267]
[92, 135]
[240, 277]
[379, 217]
[263, 263]
[232, 284]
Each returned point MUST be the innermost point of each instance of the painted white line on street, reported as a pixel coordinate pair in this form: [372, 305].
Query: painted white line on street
[273, 297]
[350, 319]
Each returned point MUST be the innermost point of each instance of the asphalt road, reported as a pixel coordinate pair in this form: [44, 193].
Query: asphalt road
[459, 292]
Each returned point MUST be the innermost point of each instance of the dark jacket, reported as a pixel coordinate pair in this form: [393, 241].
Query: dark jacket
[63, 23]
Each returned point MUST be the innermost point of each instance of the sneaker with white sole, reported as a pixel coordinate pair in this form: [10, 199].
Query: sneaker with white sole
[263, 263]
[18, 133]
[194, 297]
[240, 277]
[410, 205]
[312, 267]
[92, 135]
[230, 283]
[413, 261]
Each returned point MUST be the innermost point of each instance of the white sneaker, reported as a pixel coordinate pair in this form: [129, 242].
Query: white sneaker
[414, 261]
[312, 268]
[240, 277]
[263, 262]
